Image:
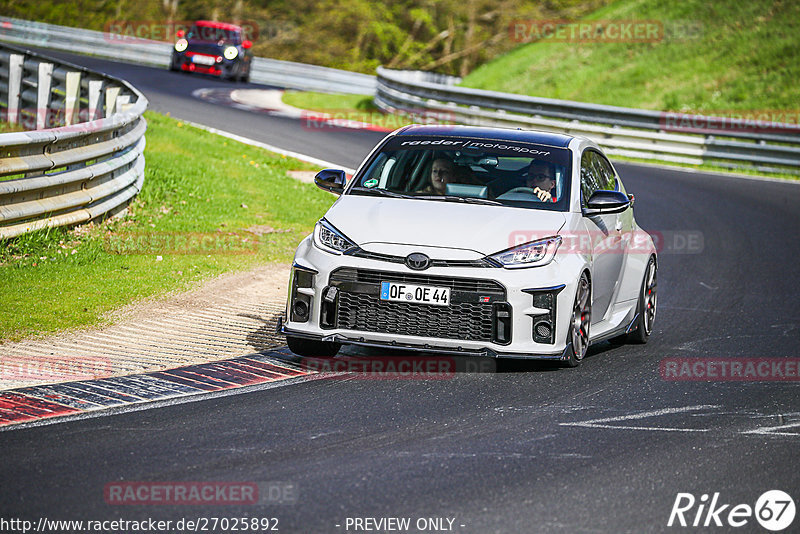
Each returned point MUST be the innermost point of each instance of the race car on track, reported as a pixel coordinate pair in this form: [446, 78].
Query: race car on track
[474, 241]
[214, 48]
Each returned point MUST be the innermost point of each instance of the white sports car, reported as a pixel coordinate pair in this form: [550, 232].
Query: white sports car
[474, 241]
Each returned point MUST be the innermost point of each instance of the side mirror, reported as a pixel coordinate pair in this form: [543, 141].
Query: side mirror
[607, 202]
[332, 180]
[246, 45]
[180, 34]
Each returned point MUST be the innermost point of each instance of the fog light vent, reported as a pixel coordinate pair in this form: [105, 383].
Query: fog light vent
[544, 325]
[543, 329]
[300, 310]
[300, 302]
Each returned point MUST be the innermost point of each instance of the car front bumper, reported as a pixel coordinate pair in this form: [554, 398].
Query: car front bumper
[495, 317]
[224, 69]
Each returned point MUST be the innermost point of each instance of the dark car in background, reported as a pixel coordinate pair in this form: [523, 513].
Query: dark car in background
[215, 48]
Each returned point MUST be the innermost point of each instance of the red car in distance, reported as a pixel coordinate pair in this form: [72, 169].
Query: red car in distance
[215, 48]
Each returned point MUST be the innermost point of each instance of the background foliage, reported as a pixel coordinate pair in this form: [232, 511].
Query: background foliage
[451, 36]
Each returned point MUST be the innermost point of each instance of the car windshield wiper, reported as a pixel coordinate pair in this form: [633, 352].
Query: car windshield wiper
[381, 192]
[453, 198]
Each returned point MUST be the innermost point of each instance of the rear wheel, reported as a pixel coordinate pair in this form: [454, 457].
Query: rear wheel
[648, 300]
[578, 336]
[645, 309]
[313, 347]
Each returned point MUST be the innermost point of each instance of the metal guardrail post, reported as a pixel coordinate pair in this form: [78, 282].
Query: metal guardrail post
[43, 95]
[112, 92]
[95, 91]
[72, 97]
[14, 87]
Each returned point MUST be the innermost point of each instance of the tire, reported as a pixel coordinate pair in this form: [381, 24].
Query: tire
[578, 334]
[646, 308]
[313, 347]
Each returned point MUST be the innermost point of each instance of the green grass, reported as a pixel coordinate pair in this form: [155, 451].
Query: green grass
[195, 183]
[744, 57]
[328, 101]
[347, 106]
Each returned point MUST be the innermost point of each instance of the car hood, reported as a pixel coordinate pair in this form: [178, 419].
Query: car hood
[378, 224]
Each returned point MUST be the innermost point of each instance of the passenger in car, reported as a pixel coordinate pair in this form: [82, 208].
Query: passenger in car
[443, 171]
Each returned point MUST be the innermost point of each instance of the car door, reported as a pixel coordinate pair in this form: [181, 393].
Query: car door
[605, 233]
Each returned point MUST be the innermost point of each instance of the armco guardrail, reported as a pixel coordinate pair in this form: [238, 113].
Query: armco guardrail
[157, 53]
[770, 147]
[82, 154]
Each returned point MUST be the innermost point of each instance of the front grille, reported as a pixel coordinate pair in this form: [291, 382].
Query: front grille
[471, 314]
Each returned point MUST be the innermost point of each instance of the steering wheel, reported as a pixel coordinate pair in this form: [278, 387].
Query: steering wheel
[528, 190]
[521, 190]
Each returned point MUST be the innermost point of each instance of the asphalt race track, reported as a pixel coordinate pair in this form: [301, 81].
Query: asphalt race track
[605, 447]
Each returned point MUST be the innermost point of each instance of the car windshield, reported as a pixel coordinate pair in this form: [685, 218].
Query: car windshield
[201, 32]
[469, 170]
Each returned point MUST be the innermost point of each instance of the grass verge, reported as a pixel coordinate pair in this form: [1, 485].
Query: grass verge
[350, 107]
[208, 206]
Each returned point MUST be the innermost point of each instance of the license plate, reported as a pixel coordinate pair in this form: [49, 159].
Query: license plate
[203, 60]
[394, 292]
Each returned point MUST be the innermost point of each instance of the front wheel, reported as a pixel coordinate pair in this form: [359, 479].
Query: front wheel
[578, 336]
[313, 348]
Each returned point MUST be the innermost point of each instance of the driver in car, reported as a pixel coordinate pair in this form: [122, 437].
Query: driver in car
[541, 179]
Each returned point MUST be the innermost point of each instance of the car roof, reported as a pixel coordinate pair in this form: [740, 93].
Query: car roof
[218, 25]
[497, 134]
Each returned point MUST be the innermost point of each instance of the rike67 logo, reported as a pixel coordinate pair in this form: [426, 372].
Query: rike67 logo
[774, 510]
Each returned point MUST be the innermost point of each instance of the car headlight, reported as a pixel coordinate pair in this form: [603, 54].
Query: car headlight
[181, 45]
[231, 52]
[330, 239]
[533, 254]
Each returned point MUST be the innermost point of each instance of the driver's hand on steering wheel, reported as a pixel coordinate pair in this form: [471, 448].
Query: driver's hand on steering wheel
[543, 195]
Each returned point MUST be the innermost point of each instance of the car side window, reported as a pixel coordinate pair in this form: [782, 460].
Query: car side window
[596, 174]
[591, 176]
[609, 177]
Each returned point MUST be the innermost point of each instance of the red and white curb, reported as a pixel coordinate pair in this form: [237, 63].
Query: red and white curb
[36, 403]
